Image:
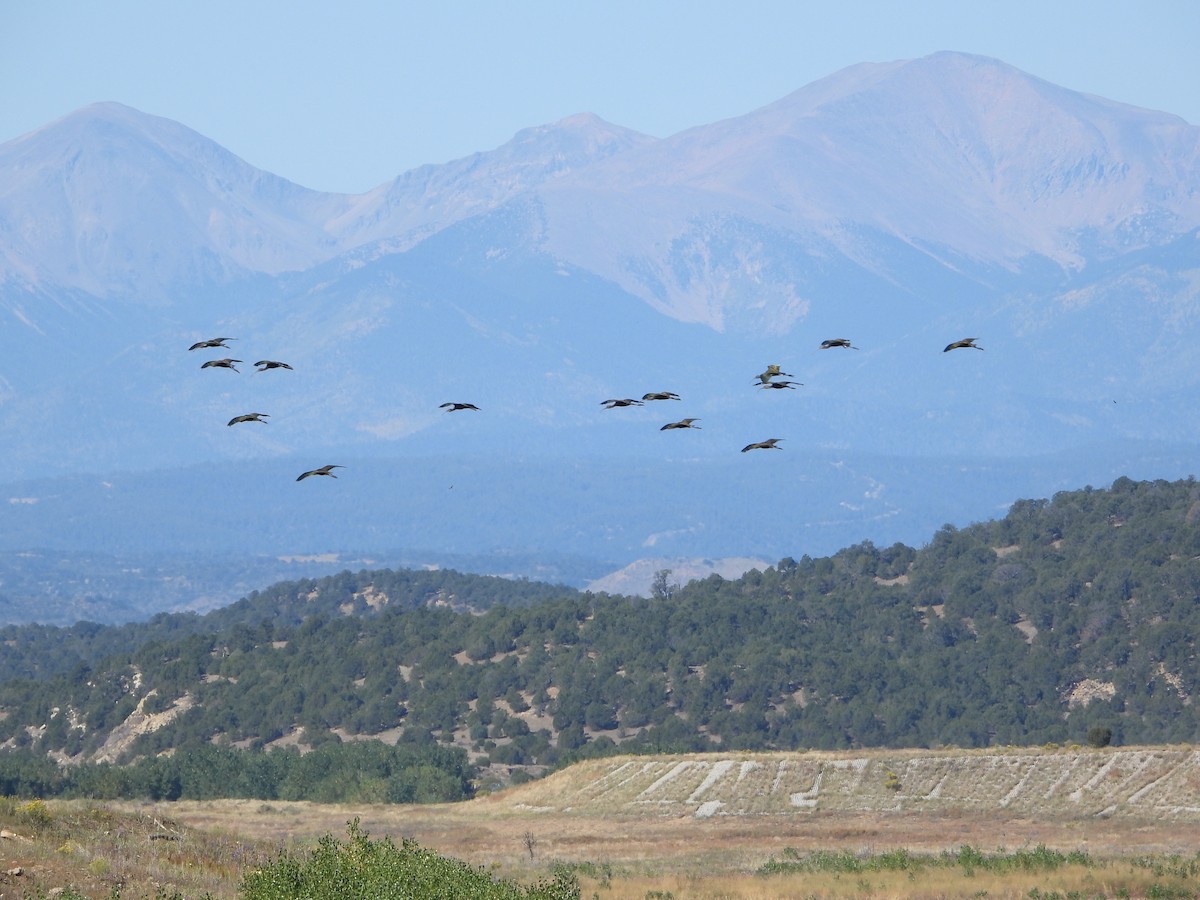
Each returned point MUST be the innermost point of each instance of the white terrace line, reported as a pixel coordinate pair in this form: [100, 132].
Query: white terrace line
[1144, 761]
[1184, 769]
[1148, 786]
[780, 771]
[717, 773]
[1067, 772]
[936, 792]
[917, 770]
[677, 769]
[604, 783]
[809, 798]
[1090, 785]
[704, 810]
[1019, 787]
[747, 768]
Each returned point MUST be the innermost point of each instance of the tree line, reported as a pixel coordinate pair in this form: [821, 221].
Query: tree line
[1071, 616]
[355, 772]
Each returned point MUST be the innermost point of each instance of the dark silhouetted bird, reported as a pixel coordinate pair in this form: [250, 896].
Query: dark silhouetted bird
[615, 404]
[226, 363]
[324, 470]
[779, 385]
[660, 395]
[452, 407]
[764, 445]
[959, 345]
[682, 423]
[209, 344]
[837, 342]
[250, 417]
[265, 364]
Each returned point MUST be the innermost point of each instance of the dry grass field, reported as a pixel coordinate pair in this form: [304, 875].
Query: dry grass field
[704, 826]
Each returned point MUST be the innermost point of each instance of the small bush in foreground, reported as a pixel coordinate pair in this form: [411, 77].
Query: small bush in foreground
[379, 870]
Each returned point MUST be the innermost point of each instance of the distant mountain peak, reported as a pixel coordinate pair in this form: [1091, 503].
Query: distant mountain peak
[589, 136]
[425, 200]
[732, 224]
[110, 201]
[961, 156]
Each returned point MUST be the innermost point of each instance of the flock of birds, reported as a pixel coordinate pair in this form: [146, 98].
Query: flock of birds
[771, 378]
[263, 365]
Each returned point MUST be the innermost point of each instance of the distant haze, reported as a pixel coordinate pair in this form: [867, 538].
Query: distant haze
[902, 205]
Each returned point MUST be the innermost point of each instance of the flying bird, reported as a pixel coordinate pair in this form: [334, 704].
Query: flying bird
[965, 342]
[250, 417]
[209, 344]
[452, 407]
[779, 385]
[225, 363]
[324, 470]
[615, 404]
[771, 372]
[660, 395]
[682, 423]
[837, 342]
[265, 364]
[764, 445]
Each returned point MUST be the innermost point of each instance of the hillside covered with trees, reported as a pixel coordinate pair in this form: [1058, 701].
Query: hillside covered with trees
[1068, 616]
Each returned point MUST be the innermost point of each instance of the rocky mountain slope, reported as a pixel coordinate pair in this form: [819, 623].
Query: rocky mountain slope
[903, 205]
[964, 159]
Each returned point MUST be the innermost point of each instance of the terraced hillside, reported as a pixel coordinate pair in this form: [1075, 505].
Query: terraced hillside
[1162, 784]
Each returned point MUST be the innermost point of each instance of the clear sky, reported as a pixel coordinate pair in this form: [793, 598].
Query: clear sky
[344, 96]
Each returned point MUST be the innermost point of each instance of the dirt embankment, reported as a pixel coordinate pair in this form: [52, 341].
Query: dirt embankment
[1156, 783]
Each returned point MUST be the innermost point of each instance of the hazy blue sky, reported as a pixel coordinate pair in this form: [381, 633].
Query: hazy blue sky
[344, 96]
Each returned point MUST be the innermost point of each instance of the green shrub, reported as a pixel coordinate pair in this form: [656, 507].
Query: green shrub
[362, 869]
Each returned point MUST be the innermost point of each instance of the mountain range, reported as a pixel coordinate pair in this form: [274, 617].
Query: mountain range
[903, 205]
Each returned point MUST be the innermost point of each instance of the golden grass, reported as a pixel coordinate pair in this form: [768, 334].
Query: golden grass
[95, 848]
[636, 856]
[1113, 880]
[622, 846]
[194, 847]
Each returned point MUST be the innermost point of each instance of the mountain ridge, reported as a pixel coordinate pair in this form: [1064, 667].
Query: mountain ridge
[944, 115]
[904, 205]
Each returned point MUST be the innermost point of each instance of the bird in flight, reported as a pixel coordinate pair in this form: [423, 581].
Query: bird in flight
[682, 423]
[660, 395]
[965, 342]
[615, 404]
[771, 372]
[837, 342]
[324, 470]
[265, 364]
[453, 407]
[225, 363]
[779, 385]
[250, 417]
[209, 344]
[764, 445]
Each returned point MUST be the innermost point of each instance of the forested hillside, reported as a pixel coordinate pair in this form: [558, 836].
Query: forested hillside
[42, 651]
[1065, 616]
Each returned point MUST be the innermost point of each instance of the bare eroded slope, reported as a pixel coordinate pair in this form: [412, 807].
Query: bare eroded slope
[1159, 783]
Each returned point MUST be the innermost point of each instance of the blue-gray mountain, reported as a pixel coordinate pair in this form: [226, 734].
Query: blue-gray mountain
[903, 205]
